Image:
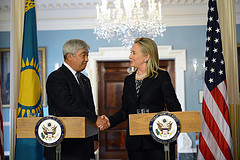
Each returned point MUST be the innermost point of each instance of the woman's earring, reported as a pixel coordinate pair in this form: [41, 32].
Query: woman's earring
[145, 60]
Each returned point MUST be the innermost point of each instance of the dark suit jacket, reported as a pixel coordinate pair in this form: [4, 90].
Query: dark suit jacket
[66, 99]
[155, 94]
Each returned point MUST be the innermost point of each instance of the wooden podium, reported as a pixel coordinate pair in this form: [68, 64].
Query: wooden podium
[190, 121]
[75, 127]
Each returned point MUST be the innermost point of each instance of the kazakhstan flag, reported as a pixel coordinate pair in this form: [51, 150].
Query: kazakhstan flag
[29, 100]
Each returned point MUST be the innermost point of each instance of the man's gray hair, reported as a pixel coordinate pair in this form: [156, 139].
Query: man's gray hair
[73, 45]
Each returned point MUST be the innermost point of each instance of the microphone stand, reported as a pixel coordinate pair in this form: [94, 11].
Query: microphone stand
[167, 151]
[58, 152]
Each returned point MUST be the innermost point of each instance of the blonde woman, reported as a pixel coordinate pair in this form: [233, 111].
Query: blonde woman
[148, 89]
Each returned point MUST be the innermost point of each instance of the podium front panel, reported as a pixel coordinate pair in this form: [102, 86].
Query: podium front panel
[75, 127]
[190, 121]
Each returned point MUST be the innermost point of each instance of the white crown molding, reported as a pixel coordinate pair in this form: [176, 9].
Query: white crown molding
[81, 14]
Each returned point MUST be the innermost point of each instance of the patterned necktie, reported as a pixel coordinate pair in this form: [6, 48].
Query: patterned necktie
[81, 84]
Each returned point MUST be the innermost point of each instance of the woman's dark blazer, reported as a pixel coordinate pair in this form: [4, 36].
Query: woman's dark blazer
[156, 94]
[66, 99]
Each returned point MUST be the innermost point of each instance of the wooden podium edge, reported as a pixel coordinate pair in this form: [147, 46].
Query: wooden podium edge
[190, 121]
[75, 127]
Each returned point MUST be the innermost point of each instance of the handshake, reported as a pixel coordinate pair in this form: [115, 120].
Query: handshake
[103, 122]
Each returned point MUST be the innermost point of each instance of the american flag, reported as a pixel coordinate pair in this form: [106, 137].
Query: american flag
[215, 141]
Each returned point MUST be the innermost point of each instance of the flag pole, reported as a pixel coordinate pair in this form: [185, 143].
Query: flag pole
[13, 133]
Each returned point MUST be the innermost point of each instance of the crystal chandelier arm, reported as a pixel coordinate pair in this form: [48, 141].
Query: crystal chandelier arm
[97, 8]
[160, 9]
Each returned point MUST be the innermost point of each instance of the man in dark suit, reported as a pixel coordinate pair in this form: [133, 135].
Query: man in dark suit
[69, 94]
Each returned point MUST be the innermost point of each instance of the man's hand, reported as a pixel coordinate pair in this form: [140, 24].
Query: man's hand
[102, 122]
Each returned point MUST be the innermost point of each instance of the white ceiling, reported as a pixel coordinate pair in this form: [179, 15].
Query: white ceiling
[81, 14]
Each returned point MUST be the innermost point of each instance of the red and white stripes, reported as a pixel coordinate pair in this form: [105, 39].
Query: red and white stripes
[215, 141]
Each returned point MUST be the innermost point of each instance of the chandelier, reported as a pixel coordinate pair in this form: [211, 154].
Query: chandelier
[127, 23]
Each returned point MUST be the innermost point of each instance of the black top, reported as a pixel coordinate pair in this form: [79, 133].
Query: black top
[155, 93]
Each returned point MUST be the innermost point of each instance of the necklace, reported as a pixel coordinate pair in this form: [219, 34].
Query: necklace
[141, 76]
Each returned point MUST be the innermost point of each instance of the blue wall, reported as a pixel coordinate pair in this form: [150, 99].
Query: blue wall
[190, 38]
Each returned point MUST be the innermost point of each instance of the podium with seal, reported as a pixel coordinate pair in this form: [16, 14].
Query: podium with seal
[165, 127]
[51, 130]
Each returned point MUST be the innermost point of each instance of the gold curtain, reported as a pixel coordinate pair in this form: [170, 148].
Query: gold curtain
[16, 35]
[227, 20]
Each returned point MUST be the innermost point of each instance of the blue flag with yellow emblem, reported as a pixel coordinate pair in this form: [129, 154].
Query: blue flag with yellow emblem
[29, 101]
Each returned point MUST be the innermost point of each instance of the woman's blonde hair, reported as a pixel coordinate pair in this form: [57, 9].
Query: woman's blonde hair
[148, 46]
